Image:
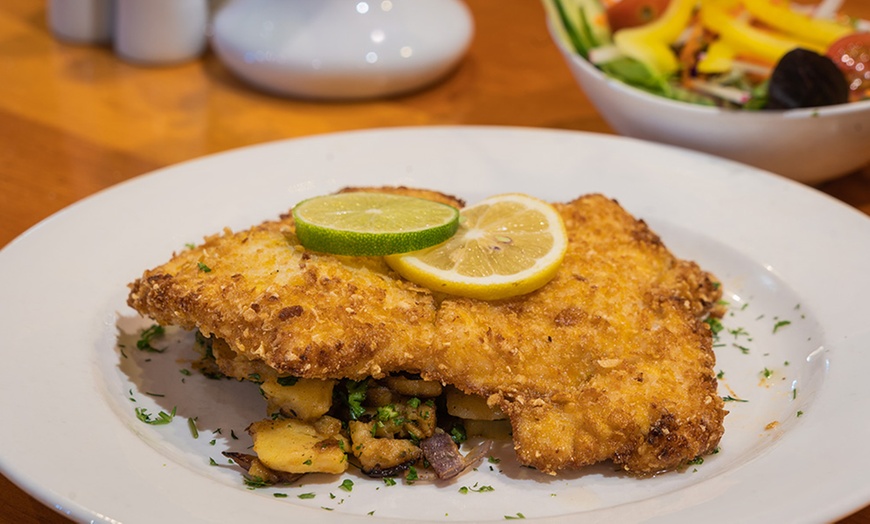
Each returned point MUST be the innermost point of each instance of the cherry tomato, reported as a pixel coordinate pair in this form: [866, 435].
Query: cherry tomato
[631, 13]
[852, 55]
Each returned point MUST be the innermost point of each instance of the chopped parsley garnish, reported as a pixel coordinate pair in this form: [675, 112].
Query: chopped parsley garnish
[389, 481]
[305, 496]
[162, 417]
[202, 267]
[767, 373]
[518, 516]
[356, 394]
[288, 381]
[482, 489]
[191, 423]
[346, 485]
[729, 398]
[255, 482]
[743, 349]
[279, 495]
[148, 335]
[715, 325]
[458, 434]
[780, 324]
[389, 414]
[737, 332]
[697, 461]
[412, 474]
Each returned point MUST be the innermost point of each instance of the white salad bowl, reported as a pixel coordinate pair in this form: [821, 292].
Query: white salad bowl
[809, 145]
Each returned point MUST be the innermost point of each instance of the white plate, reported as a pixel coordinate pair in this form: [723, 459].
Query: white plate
[784, 251]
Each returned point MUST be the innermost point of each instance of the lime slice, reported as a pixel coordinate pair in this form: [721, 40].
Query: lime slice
[372, 224]
[506, 245]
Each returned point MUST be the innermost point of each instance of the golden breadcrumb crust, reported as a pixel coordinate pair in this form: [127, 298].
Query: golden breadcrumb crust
[609, 361]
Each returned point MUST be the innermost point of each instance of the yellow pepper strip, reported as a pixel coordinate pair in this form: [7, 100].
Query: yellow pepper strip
[718, 58]
[822, 32]
[748, 40]
[650, 43]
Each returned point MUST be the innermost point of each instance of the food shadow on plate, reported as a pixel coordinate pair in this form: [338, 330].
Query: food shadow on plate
[194, 418]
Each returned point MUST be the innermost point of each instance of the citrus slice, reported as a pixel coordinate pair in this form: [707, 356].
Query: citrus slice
[506, 245]
[372, 224]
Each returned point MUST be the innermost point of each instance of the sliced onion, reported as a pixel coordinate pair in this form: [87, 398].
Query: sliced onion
[446, 460]
[245, 461]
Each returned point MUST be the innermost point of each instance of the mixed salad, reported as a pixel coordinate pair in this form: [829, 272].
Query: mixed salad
[749, 54]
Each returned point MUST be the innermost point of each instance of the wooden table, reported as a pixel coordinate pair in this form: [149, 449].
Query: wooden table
[75, 120]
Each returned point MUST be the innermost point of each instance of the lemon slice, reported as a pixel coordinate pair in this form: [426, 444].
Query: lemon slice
[506, 245]
[372, 224]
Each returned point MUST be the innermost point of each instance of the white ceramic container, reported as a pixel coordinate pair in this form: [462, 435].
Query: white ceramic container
[808, 145]
[341, 49]
[80, 21]
[156, 32]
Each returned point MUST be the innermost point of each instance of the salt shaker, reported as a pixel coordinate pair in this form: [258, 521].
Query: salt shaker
[155, 32]
[81, 21]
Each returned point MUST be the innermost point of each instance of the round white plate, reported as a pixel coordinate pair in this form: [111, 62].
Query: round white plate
[789, 256]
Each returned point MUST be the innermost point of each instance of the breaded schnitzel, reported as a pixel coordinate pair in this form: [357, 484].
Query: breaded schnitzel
[609, 361]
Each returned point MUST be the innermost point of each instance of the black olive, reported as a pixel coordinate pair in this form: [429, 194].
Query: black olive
[804, 78]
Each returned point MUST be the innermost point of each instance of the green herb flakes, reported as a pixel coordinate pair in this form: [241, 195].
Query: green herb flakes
[287, 381]
[346, 485]
[162, 417]
[356, 394]
[780, 324]
[715, 325]
[254, 482]
[147, 336]
[475, 489]
[191, 423]
[305, 496]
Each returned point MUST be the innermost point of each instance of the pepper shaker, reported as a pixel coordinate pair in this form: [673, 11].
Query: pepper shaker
[154, 32]
[81, 21]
